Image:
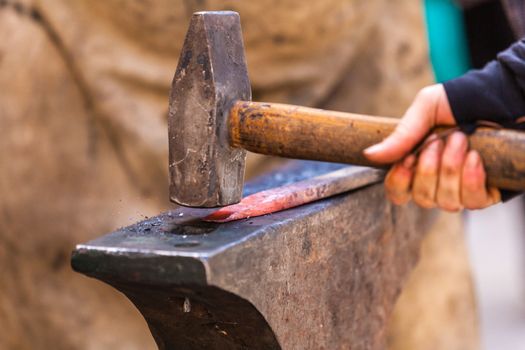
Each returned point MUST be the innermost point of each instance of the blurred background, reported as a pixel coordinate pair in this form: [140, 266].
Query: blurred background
[475, 31]
[83, 107]
[496, 242]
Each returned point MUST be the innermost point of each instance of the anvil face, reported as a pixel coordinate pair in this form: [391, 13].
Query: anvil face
[181, 233]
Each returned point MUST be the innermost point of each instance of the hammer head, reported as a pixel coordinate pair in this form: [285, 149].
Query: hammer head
[205, 171]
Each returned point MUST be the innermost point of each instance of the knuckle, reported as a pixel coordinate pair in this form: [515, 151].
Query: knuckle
[423, 194]
[481, 200]
[475, 205]
[426, 93]
[471, 185]
[447, 201]
[404, 131]
[391, 186]
[449, 169]
[453, 209]
[449, 206]
[471, 200]
[407, 130]
[427, 171]
[394, 172]
[424, 202]
[403, 127]
[426, 205]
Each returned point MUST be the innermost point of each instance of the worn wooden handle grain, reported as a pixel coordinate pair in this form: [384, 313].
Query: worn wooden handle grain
[308, 133]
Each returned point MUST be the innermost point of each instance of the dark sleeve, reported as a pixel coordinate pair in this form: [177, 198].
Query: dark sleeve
[494, 93]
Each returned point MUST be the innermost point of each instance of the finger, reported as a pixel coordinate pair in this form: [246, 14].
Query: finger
[411, 129]
[473, 189]
[398, 181]
[493, 192]
[429, 108]
[426, 176]
[448, 195]
[474, 193]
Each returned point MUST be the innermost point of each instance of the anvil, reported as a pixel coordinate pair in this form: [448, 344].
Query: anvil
[320, 276]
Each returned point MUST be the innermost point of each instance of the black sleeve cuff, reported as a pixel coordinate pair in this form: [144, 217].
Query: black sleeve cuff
[495, 93]
[489, 94]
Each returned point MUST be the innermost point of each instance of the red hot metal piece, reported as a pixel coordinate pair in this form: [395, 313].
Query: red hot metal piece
[296, 194]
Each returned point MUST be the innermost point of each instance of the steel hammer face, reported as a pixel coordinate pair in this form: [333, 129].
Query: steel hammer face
[205, 171]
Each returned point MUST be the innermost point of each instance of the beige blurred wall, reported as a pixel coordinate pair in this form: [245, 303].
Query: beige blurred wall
[84, 148]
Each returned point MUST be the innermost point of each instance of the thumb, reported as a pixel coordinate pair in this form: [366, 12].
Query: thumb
[411, 130]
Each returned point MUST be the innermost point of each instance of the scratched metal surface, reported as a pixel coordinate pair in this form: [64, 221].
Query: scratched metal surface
[205, 171]
[180, 232]
[323, 275]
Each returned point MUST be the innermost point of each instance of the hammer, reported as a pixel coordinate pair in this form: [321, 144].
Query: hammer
[212, 123]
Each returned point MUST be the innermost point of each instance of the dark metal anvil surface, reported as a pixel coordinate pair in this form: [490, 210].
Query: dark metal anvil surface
[321, 276]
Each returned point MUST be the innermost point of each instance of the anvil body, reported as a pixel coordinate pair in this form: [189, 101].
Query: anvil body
[321, 276]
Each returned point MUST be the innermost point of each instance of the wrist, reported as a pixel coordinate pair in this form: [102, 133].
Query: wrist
[438, 100]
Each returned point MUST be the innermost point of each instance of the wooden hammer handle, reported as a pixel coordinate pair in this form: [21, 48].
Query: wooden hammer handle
[315, 134]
